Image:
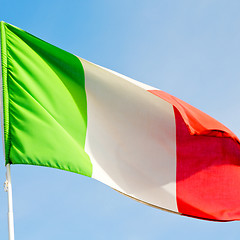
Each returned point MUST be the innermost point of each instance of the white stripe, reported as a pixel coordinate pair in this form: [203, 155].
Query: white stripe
[131, 137]
[137, 83]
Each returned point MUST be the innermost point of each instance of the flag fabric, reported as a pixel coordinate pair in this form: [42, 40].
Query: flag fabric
[64, 112]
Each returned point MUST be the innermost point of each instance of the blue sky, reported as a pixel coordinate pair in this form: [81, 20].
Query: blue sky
[187, 48]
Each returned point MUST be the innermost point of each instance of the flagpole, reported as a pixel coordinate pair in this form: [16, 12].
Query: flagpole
[8, 183]
[8, 186]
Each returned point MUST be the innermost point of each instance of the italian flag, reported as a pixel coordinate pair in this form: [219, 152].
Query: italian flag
[64, 112]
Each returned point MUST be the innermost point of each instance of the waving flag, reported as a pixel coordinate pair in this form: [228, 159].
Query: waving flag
[64, 112]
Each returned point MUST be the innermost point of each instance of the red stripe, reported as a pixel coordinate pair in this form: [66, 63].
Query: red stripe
[198, 122]
[208, 173]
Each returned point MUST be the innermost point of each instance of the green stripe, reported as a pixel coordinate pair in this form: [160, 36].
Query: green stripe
[44, 87]
[5, 90]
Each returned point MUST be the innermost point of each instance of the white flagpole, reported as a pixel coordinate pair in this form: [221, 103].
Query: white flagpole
[8, 183]
[8, 188]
